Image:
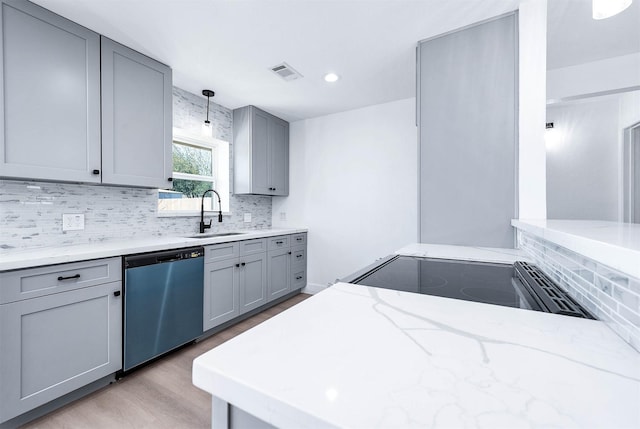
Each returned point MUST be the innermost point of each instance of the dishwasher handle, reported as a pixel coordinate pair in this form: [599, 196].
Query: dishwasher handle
[171, 258]
[143, 259]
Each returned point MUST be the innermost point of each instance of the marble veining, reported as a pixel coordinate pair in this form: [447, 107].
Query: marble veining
[387, 358]
[31, 211]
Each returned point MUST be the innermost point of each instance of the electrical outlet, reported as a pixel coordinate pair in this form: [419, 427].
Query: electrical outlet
[247, 218]
[283, 216]
[73, 222]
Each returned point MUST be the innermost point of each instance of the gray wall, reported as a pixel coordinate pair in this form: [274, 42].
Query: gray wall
[468, 135]
[31, 212]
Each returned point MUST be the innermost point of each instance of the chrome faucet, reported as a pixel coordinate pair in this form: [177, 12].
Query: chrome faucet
[203, 225]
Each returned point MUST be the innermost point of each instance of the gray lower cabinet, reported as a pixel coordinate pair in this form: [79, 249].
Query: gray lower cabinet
[298, 267]
[50, 97]
[221, 292]
[279, 270]
[253, 282]
[136, 118]
[235, 282]
[287, 264]
[261, 152]
[63, 337]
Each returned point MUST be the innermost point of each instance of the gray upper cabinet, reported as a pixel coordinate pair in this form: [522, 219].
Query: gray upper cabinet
[136, 118]
[50, 97]
[261, 152]
[78, 108]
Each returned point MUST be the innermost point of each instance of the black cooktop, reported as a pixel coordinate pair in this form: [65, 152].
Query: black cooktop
[519, 285]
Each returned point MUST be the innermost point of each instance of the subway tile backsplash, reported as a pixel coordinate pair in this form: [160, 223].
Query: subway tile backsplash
[610, 295]
[31, 211]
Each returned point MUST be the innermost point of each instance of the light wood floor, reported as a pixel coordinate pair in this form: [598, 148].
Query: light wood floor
[159, 395]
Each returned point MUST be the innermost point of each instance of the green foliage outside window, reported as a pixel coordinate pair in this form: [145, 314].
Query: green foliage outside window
[191, 160]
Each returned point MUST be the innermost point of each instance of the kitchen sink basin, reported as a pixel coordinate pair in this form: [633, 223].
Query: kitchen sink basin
[215, 234]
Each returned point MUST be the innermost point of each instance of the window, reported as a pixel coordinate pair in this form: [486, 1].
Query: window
[199, 163]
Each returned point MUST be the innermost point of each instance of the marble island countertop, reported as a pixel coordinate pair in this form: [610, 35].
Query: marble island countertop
[463, 253]
[362, 357]
[12, 259]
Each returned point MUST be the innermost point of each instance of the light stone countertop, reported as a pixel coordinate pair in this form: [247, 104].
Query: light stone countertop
[362, 357]
[464, 253]
[615, 244]
[27, 258]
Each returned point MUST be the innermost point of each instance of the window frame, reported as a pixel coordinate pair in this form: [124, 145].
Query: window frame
[220, 170]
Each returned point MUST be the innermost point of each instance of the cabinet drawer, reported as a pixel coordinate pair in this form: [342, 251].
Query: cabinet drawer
[298, 278]
[222, 251]
[299, 239]
[279, 242]
[34, 282]
[299, 255]
[250, 247]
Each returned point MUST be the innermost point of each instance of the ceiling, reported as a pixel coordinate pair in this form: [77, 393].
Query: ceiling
[229, 46]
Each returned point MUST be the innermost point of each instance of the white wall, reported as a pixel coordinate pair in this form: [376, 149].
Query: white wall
[353, 183]
[532, 21]
[584, 156]
[597, 76]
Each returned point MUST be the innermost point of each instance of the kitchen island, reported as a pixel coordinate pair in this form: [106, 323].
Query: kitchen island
[358, 356]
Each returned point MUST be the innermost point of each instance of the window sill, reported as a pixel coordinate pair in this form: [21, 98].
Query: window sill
[191, 213]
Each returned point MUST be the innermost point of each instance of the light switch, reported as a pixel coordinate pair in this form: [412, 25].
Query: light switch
[283, 216]
[72, 222]
[247, 218]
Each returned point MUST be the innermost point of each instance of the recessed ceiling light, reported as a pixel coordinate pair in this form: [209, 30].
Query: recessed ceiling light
[331, 77]
[607, 8]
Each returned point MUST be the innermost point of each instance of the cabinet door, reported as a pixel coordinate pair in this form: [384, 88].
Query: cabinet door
[279, 157]
[50, 96]
[279, 274]
[47, 353]
[136, 118]
[221, 293]
[260, 156]
[253, 281]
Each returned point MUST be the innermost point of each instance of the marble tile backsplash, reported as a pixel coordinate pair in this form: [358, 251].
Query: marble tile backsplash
[610, 295]
[31, 212]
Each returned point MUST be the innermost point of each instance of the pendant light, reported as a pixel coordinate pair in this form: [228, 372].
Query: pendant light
[607, 8]
[206, 127]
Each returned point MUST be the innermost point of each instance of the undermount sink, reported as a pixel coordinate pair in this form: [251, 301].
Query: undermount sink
[215, 234]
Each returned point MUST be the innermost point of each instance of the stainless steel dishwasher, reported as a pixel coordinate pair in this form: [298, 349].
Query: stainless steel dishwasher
[163, 295]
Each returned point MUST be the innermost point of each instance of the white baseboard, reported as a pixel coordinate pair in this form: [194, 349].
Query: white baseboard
[313, 288]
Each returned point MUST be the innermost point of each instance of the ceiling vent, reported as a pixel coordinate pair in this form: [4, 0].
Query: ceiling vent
[286, 72]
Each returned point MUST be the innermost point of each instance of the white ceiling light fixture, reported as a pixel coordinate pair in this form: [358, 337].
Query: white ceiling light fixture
[331, 77]
[607, 8]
